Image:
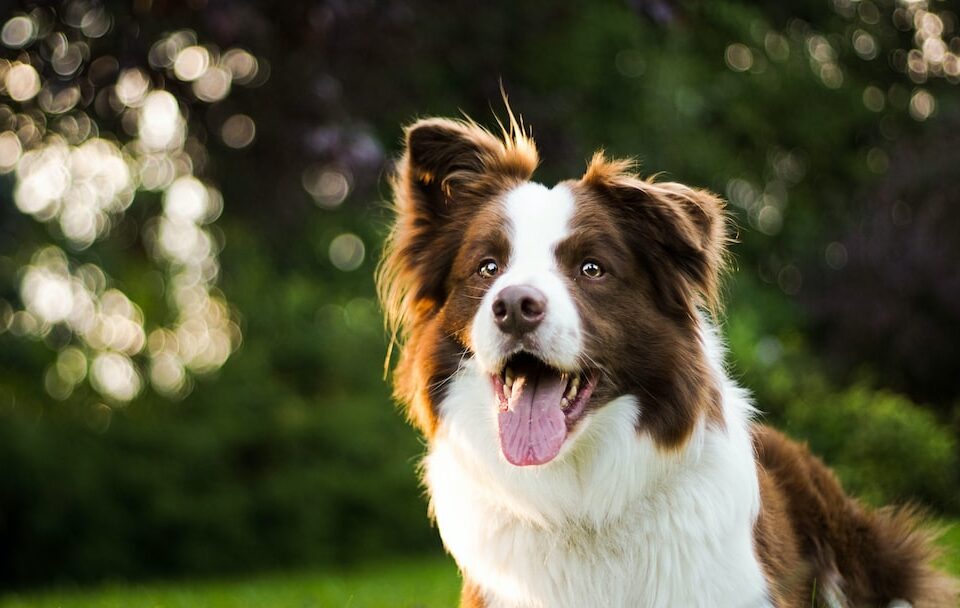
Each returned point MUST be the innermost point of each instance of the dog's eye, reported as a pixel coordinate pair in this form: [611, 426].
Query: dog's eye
[488, 269]
[591, 270]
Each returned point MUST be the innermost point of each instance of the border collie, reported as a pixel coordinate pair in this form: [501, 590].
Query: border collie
[586, 445]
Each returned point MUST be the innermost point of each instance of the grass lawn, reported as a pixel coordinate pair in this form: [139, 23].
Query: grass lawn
[421, 583]
[951, 546]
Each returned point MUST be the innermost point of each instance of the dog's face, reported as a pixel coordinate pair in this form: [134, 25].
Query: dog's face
[565, 297]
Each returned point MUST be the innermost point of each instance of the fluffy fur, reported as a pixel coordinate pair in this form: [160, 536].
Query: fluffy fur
[664, 492]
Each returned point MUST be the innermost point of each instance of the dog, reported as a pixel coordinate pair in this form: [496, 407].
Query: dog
[586, 446]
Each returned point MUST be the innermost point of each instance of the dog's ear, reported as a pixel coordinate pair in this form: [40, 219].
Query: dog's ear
[679, 233]
[448, 162]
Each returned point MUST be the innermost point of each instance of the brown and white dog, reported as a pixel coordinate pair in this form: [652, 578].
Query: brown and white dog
[586, 446]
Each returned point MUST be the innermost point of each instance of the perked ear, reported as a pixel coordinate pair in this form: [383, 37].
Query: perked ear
[449, 160]
[679, 233]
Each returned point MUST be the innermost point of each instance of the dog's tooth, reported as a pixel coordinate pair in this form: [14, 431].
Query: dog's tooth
[564, 403]
[573, 388]
[508, 378]
[516, 388]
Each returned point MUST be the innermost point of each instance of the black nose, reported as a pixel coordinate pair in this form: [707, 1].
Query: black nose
[519, 309]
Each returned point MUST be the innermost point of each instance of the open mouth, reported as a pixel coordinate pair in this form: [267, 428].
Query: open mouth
[538, 406]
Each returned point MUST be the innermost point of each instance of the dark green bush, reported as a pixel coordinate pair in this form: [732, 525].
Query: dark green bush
[884, 447]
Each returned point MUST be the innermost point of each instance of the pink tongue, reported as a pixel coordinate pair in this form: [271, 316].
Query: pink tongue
[533, 428]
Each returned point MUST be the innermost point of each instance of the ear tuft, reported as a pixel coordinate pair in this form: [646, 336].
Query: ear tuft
[601, 170]
[457, 152]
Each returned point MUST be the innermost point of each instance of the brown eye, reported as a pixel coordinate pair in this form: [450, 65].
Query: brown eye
[488, 269]
[591, 269]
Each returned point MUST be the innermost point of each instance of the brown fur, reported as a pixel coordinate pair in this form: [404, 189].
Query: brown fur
[808, 525]
[662, 246]
[668, 373]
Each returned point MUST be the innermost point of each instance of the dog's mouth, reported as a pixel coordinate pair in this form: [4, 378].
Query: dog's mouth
[538, 406]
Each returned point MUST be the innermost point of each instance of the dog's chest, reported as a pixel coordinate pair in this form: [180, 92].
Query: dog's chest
[643, 560]
[679, 549]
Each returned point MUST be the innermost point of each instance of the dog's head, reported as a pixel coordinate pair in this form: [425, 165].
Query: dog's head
[566, 297]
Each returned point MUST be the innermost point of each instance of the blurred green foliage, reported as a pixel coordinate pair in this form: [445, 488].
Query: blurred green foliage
[883, 446]
[292, 453]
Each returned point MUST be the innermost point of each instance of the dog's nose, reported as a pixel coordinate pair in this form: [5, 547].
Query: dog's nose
[519, 309]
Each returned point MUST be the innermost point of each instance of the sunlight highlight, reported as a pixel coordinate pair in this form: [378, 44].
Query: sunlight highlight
[81, 184]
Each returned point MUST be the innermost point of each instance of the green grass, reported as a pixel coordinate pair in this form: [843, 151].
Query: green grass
[424, 583]
[418, 583]
[950, 542]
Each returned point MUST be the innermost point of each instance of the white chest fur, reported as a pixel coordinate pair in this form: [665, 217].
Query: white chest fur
[611, 522]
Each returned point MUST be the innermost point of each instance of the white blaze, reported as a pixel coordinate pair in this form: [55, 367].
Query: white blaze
[538, 220]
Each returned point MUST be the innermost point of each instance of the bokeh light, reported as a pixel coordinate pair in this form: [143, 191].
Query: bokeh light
[835, 255]
[328, 185]
[823, 61]
[242, 65]
[874, 99]
[865, 45]
[10, 151]
[80, 186]
[739, 57]
[238, 131]
[81, 182]
[347, 252]
[18, 32]
[777, 46]
[114, 376]
[132, 87]
[22, 81]
[191, 63]
[161, 126]
[922, 105]
[186, 199]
